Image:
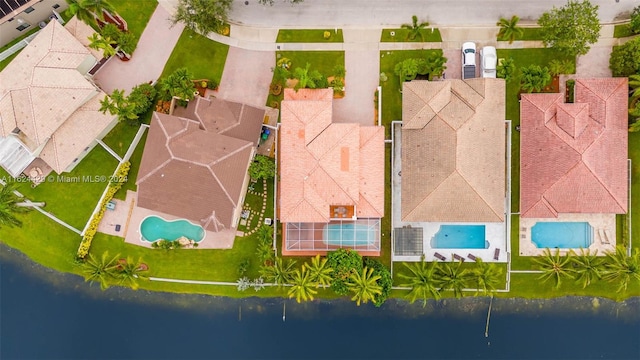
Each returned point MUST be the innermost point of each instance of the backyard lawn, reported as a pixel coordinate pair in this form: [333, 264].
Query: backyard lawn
[135, 13]
[204, 58]
[309, 36]
[402, 35]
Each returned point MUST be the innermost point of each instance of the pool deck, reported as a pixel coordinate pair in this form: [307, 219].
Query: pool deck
[604, 230]
[117, 216]
[213, 240]
[495, 233]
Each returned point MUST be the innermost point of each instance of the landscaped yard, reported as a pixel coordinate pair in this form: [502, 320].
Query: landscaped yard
[135, 13]
[309, 36]
[622, 30]
[204, 58]
[402, 35]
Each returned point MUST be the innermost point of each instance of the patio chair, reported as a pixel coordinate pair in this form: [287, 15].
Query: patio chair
[607, 236]
[496, 254]
[440, 257]
[471, 257]
[458, 257]
[111, 205]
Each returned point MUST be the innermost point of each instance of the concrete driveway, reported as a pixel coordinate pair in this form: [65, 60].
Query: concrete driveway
[361, 82]
[154, 48]
[247, 75]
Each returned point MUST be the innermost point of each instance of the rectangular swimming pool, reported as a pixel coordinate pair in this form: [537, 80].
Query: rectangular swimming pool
[562, 235]
[460, 237]
[347, 234]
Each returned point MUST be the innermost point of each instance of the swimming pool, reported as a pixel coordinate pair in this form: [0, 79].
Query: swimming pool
[563, 235]
[347, 234]
[154, 228]
[460, 237]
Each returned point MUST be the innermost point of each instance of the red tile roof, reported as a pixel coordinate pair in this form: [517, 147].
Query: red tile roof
[574, 156]
[324, 163]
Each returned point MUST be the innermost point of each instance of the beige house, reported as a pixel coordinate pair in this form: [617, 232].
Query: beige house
[49, 107]
[18, 17]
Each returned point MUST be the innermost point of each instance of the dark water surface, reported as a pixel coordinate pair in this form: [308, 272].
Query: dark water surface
[45, 314]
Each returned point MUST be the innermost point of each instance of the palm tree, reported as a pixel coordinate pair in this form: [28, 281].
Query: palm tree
[10, 205]
[319, 271]
[509, 29]
[487, 276]
[129, 272]
[179, 84]
[100, 270]
[280, 273]
[588, 266]
[422, 282]
[406, 70]
[534, 78]
[634, 83]
[265, 234]
[364, 286]
[554, 267]
[622, 268]
[105, 44]
[436, 63]
[452, 277]
[302, 285]
[339, 71]
[306, 78]
[415, 28]
[88, 10]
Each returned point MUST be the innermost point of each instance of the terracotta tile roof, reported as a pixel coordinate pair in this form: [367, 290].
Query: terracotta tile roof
[229, 118]
[82, 32]
[324, 163]
[194, 173]
[43, 94]
[574, 156]
[453, 151]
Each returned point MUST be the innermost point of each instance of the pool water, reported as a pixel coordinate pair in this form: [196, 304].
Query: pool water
[460, 237]
[563, 235]
[346, 234]
[154, 228]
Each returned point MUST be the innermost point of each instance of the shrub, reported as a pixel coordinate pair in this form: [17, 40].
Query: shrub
[634, 25]
[625, 59]
[120, 178]
[243, 267]
[262, 167]
[344, 262]
[326, 35]
[141, 98]
[505, 69]
[385, 280]
[275, 89]
[212, 85]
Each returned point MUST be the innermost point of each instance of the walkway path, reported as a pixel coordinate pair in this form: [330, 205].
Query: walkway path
[154, 48]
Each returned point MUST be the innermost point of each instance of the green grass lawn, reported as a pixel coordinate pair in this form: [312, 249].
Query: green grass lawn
[323, 61]
[402, 35]
[73, 202]
[528, 33]
[135, 13]
[309, 36]
[622, 30]
[203, 58]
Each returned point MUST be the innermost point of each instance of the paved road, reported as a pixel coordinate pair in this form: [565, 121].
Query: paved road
[372, 13]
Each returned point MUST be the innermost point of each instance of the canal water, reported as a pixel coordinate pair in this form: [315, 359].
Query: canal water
[48, 315]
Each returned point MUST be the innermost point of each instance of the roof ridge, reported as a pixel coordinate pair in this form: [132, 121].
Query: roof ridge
[604, 186]
[319, 162]
[153, 171]
[237, 150]
[479, 195]
[426, 196]
[224, 189]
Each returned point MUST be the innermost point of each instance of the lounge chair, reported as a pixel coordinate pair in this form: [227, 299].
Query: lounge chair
[607, 236]
[523, 228]
[440, 257]
[471, 257]
[603, 237]
[496, 254]
[458, 257]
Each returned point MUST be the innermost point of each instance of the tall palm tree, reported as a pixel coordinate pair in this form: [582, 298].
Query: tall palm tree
[588, 266]
[554, 266]
[88, 10]
[436, 63]
[452, 277]
[179, 84]
[415, 28]
[364, 286]
[534, 78]
[265, 234]
[280, 273]
[100, 270]
[105, 44]
[319, 271]
[487, 276]
[622, 268]
[509, 29]
[302, 285]
[306, 78]
[422, 282]
[9, 206]
[129, 272]
[406, 70]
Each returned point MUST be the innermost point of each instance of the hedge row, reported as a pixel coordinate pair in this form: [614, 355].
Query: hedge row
[119, 179]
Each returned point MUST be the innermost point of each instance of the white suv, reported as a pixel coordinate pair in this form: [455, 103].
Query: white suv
[468, 60]
[489, 61]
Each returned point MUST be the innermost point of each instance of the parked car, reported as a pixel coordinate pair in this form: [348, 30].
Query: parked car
[489, 61]
[468, 60]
